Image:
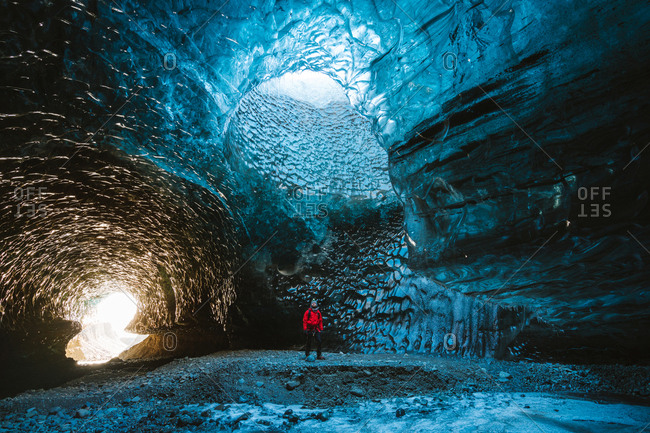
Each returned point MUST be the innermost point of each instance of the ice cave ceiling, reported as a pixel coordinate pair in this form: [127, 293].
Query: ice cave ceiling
[424, 168]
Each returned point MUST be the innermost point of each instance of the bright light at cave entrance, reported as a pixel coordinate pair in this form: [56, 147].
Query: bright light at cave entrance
[117, 309]
[103, 336]
[315, 88]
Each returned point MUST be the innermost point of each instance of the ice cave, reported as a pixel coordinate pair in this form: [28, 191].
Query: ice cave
[457, 185]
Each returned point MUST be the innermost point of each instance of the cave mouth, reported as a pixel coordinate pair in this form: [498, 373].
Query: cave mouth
[298, 132]
[104, 335]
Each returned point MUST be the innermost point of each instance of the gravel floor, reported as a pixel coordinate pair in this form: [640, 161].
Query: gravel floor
[211, 392]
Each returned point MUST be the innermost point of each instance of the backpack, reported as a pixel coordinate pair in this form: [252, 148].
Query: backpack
[309, 314]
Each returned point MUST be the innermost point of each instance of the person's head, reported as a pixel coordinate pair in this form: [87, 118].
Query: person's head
[314, 304]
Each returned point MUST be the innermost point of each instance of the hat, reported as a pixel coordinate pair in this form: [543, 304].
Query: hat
[313, 301]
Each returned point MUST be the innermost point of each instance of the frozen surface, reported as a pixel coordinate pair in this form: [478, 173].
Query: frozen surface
[480, 412]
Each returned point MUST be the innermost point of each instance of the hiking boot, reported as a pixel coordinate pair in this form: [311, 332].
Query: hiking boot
[321, 357]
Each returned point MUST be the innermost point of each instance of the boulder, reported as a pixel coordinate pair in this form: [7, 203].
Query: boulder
[292, 384]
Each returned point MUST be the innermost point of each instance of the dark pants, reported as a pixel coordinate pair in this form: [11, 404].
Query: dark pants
[313, 335]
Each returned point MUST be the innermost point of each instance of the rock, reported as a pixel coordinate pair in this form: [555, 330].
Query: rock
[400, 413]
[243, 417]
[183, 420]
[241, 381]
[311, 358]
[290, 416]
[55, 411]
[221, 407]
[504, 376]
[367, 372]
[243, 398]
[357, 392]
[259, 384]
[82, 413]
[31, 412]
[206, 413]
[324, 416]
[292, 384]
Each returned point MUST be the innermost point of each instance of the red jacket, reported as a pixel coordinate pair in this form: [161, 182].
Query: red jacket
[312, 320]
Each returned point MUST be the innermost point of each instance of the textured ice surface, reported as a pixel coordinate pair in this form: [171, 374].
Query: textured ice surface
[477, 412]
[300, 133]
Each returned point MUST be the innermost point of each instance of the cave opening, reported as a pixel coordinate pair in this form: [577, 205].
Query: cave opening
[103, 334]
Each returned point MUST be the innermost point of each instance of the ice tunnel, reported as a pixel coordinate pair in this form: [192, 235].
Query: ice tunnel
[446, 177]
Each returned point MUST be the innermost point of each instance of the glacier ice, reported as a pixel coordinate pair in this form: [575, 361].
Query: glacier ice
[377, 154]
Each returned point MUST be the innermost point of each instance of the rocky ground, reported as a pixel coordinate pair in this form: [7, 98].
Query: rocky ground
[279, 391]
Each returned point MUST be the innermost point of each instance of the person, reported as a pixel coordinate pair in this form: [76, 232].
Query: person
[312, 323]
